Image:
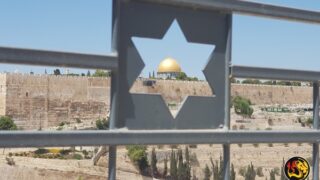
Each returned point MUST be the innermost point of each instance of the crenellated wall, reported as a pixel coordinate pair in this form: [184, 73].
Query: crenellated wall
[35, 101]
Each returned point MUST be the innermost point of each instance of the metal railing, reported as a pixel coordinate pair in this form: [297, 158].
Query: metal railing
[116, 136]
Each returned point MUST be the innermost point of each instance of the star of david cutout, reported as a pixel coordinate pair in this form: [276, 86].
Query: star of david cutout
[194, 54]
[149, 111]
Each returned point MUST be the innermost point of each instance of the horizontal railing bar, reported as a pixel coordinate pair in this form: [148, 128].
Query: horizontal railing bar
[126, 137]
[246, 7]
[55, 58]
[274, 73]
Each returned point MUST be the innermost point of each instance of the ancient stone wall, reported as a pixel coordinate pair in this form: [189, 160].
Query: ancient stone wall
[3, 90]
[176, 91]
[268, 94]
[40, 101]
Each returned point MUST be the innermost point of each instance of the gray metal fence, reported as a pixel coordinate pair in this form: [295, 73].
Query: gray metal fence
[125, 66]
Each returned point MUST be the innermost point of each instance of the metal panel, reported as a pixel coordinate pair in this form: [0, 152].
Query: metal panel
[152, 21]
[315, 153]
[125, 137]
[274, 73]
[112, 170]
[55, 58]
[245, 7]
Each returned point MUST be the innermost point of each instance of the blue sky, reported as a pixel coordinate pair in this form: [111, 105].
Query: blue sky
[85, 26]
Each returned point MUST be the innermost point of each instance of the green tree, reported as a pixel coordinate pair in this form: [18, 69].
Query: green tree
[251, 173]
[233, 80]
[184, 169]
[272, 175]
[154, 161]
[88, 73]
[165, 169]
[269, 82]
[173, 166]
[182, 76]
[181, 170]
[56, 72]
[101, 73]
[217, 171]
[251, 81]
[242, 106]
[102, 124]
[232, 173]
[187, 163]
[138, 156]
[260, 172]
[207, 173]
[6, 123]
[221, 168]
[282, 176]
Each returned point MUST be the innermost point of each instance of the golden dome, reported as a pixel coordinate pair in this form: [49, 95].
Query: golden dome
[169, 65]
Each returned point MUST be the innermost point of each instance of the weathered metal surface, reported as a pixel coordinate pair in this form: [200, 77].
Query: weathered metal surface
[152, 21]
[55, 58]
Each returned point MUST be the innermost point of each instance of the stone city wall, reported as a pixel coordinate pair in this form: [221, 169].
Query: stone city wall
[40, 101]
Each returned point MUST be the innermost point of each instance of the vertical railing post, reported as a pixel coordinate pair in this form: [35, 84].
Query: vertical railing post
[315, 154]
[226, 147]
[112, 167]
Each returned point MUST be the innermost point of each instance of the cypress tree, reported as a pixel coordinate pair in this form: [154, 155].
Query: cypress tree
[221, 168]
[154, 160]
[165, 169]
[251, 173]
[216, 171]
[180, 164]
[207, 173]
[187, 163]
[187, 155]
[282, 176]
[272, 175]
[173, 166]
[232, 173]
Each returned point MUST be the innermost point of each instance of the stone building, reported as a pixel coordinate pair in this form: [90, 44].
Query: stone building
[168, 69]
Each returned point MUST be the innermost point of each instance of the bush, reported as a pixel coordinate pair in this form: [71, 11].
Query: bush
[65, 151]
[309, 121]
[260, 172]
[255, 145]
[277, 171]
[102, 124]
[6, 123]
[62, 123]
[138, 156]
[41, 151]
[242, 171]
[10, 161]
[78, 120]
[77, 156]
[242, 106]
[101, 73]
